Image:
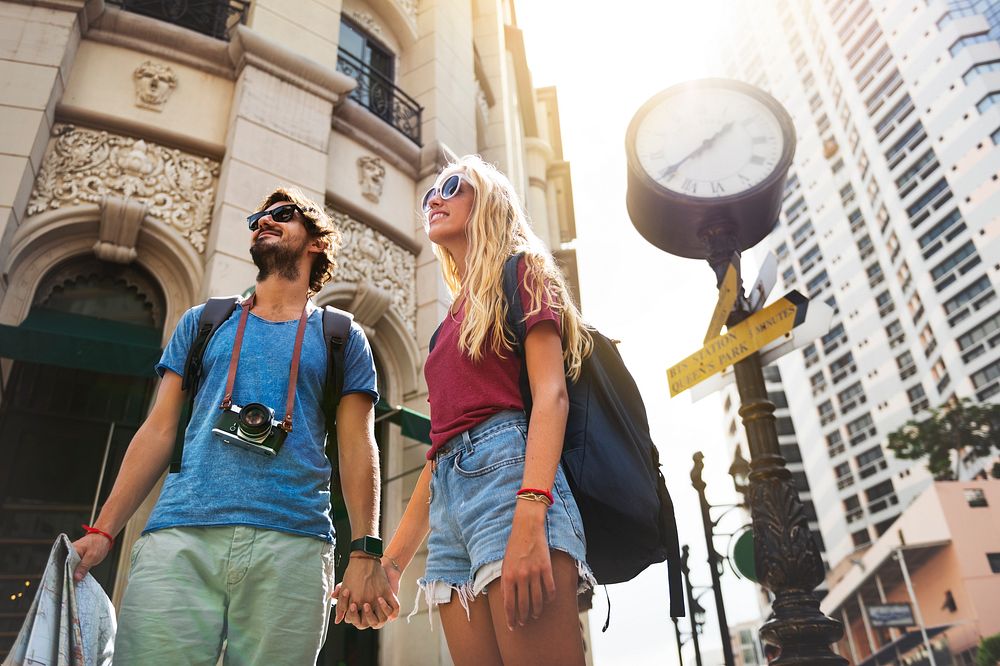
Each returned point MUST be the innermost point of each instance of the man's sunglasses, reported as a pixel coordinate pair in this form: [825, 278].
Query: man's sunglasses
[280, 214]
[449, 188]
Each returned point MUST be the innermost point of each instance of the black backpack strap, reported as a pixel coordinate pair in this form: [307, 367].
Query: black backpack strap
[515, 323]
[434, 338]
[216, 311]
[336, 331]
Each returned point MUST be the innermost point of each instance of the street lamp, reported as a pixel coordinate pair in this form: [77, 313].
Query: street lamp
[696, 609]
[707, 162]
[714, 559]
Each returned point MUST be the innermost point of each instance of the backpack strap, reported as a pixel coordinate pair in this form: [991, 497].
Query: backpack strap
[216, 311]
[434, 338]
[336, 331]
[516, 325]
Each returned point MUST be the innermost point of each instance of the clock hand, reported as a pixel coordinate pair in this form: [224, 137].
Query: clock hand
[707, 143]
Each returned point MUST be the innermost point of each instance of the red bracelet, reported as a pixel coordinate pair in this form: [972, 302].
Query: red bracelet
[93, 530]
[545, 493]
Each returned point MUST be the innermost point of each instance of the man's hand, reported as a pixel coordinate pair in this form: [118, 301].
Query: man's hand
[92, 549]
[365, 598]
[526, 574]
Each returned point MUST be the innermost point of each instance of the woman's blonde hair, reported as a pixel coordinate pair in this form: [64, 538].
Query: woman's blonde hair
[497, 229]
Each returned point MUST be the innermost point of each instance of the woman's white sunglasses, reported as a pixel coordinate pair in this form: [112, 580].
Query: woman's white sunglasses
[449, 188]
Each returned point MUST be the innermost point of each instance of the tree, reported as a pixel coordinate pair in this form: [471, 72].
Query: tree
[956, 433]
[989, 651]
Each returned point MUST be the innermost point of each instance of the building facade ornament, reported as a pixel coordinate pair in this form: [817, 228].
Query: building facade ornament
[371, 176]
[153, 84]
[85, 166]
[368, 256]
[366, 21]
[409, 8]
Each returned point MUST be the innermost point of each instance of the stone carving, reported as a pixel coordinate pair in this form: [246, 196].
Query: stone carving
[370, 257]
[119, 229]
[409, 8]
[371, 175]
[366, 21]
[153, 84]
[85, 165]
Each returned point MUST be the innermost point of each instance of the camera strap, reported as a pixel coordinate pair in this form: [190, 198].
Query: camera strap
[293, 374]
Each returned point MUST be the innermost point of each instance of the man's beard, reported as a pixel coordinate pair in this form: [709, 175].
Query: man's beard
[276, 259]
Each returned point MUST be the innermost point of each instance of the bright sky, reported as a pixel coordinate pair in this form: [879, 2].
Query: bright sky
[606, 60]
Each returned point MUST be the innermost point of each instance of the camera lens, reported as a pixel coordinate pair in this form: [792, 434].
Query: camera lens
[255, 421]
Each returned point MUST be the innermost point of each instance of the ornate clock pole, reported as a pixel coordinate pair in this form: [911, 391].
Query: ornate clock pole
[707, 162]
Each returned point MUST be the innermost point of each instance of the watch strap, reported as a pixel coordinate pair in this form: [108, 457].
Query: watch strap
[368, 544]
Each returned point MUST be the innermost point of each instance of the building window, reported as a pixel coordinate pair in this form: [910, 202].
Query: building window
[870, 462]
[851, 397]
[842, 367]
[784, 426]
[979, 69]
[817, 284]
[947, 229]
[834, 443]
[975, 497]
[812, 257]
[884, 303]
[918, 398]
[960, 306]
[968, 40]
[907, 368]
[810, 355]
[925, 165]
[836, 337]
[994, 560]
[861, 538]
[826, 412]
[935, 197]
[987, 102]
[958, 263]
[894, 331]
[899, 150]
[860, 429]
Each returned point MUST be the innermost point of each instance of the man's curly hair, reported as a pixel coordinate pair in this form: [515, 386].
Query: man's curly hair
[319, 225]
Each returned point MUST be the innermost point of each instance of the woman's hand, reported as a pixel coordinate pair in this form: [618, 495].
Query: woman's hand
[364, 598]
[393, 572]
[526, 574]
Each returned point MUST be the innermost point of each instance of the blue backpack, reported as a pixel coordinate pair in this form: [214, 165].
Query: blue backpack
[610, 461]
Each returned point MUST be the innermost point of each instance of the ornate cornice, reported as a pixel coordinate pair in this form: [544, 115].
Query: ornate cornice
[368, 256]
[85, 166]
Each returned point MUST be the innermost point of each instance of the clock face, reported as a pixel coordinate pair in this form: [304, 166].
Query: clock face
[709, 142]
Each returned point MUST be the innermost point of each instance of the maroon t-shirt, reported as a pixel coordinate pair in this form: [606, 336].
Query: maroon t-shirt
[463, 393]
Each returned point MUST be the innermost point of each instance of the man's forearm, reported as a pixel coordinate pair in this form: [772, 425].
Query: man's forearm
[359, 478]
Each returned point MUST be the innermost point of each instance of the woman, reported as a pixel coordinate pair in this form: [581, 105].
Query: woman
[506, 539]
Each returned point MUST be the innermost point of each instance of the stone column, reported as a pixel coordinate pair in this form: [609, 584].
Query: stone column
[37, 47]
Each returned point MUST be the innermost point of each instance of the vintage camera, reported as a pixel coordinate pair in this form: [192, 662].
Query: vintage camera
[252, 427]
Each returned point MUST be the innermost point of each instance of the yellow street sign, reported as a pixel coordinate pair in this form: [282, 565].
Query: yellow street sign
[738, 342]
[727, 298]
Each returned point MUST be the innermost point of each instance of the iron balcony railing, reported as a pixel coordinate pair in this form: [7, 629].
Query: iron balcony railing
[215, 18]
[380, 96]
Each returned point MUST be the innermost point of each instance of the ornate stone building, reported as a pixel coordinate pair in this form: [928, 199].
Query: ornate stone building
[135, 136]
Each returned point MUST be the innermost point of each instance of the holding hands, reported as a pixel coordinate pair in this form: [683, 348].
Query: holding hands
[366, 597]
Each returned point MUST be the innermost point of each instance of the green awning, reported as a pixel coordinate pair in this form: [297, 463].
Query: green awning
[413, 424]
[77, 341]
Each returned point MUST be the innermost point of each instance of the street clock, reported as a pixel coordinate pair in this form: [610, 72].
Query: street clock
[703, 156]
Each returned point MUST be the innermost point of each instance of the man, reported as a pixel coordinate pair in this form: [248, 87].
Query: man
[239, 547]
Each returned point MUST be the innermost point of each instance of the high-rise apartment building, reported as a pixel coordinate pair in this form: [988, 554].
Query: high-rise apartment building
[890, 216]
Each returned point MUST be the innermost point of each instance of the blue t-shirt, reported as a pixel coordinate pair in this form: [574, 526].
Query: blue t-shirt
[222, 484]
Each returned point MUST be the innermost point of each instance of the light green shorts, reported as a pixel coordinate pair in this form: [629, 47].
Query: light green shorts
[266, 594]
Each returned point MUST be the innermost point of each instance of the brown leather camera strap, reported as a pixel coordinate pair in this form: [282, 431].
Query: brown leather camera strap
[293, 374]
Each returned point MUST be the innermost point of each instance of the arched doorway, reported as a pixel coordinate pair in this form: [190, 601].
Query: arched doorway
[77, 382]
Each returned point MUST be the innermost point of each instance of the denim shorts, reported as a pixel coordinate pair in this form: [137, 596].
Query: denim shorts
[474, 484]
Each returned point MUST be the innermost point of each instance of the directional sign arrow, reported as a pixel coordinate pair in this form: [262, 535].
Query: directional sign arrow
[738, 342]
[727, 298]
[818, 319]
